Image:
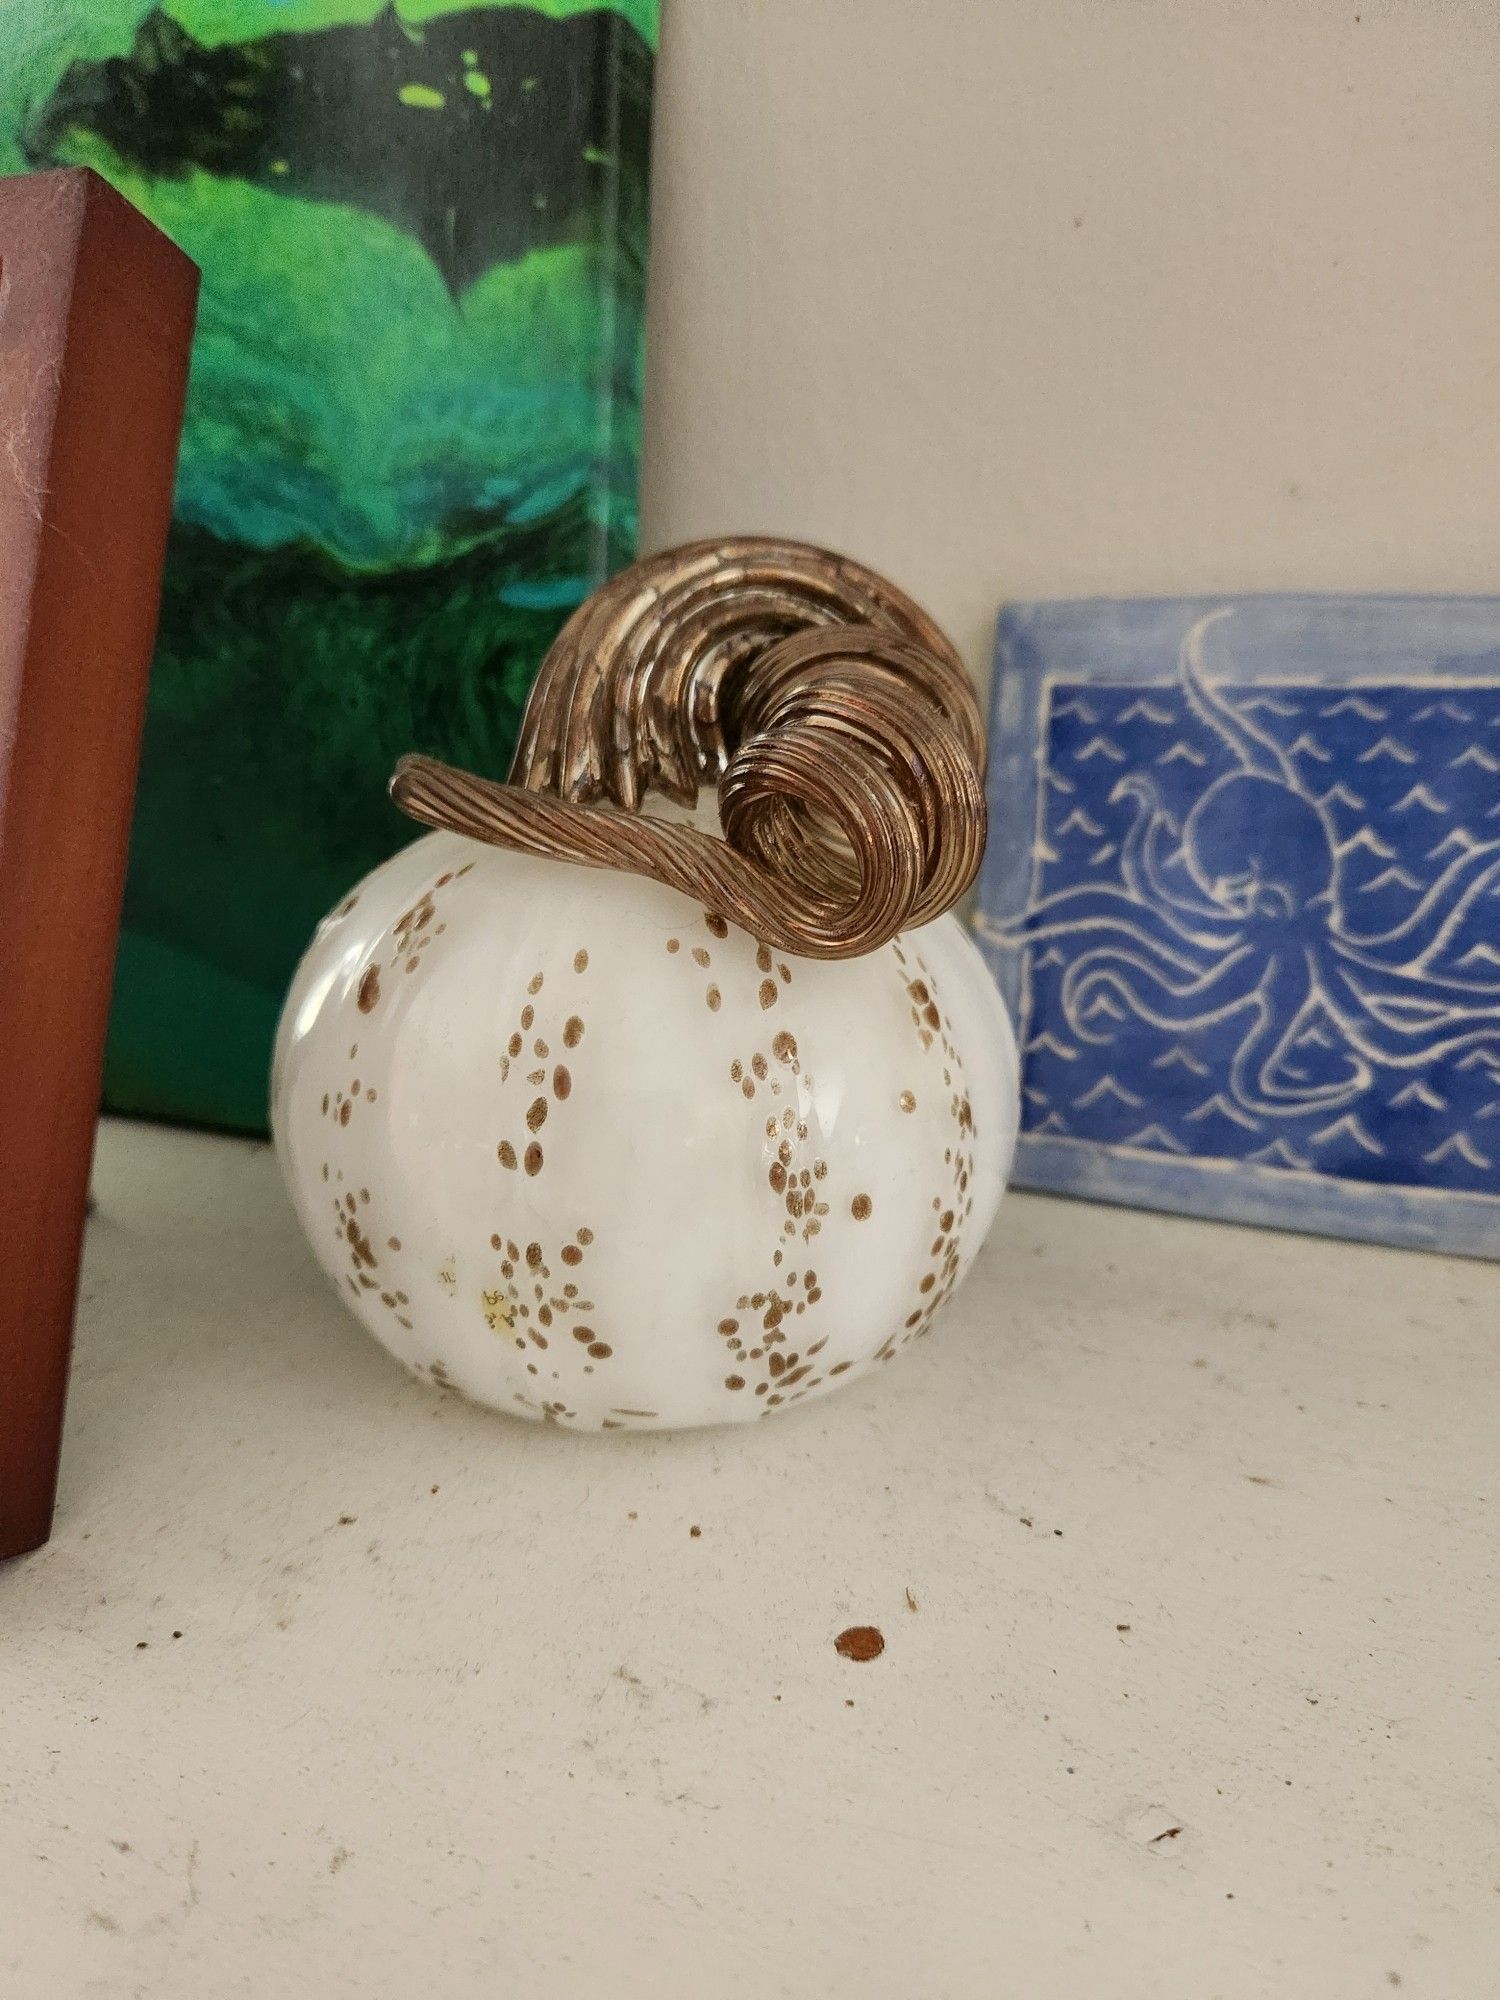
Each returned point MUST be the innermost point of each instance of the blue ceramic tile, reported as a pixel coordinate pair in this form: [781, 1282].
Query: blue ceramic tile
[1243, 896]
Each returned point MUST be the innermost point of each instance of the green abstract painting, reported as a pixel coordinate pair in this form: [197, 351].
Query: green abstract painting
[411, 445]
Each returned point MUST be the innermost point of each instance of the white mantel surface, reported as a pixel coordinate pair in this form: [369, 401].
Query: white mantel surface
[1178, 1537]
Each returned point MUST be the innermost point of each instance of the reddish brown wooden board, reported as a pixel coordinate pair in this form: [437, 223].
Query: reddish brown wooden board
[96, 316]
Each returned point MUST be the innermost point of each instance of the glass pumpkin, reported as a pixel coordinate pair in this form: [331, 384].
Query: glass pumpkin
[573, 1146]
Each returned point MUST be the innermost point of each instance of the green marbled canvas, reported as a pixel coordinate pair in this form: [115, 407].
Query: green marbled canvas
[411, 443]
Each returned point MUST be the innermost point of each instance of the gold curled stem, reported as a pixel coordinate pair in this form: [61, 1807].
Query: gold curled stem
[837, 720]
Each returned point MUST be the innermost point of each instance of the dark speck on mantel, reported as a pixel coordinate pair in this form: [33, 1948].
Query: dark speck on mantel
[861, 1642]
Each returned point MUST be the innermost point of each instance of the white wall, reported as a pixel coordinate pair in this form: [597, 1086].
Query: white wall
[1042, 297]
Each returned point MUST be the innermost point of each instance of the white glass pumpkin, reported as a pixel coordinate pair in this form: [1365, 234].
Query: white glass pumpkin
[575, 1147]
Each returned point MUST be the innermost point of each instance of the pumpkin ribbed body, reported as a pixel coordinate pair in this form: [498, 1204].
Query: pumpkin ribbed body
[575, 1147]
